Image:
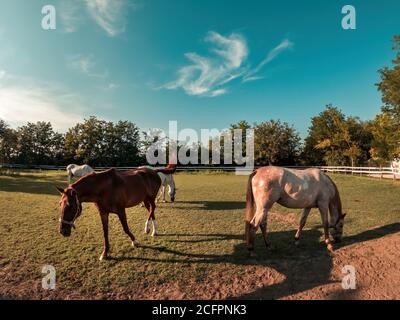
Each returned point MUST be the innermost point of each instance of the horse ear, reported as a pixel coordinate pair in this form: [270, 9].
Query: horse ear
[343, 215]
[60, 190]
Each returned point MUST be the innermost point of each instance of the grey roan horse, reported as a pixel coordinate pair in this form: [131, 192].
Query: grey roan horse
[299, 189]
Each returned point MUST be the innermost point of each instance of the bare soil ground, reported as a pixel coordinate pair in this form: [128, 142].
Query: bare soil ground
[377, 265]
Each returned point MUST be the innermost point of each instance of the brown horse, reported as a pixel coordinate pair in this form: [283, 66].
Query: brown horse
[112, 191]
[305, 189]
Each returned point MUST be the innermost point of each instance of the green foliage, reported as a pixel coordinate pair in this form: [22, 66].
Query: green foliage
[386, 137]
[100, 143]
[390, 85]
[334, 139]
[276, 143]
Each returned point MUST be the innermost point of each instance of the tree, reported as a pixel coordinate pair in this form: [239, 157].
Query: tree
[3, 128]
[242, 125]
[319, 147]
[8, 143]
[122, 144]
[101, 143]
[84, 143]
[390, 85]
[385, 144]
[276, 143]
[334, 139]
[38, 143]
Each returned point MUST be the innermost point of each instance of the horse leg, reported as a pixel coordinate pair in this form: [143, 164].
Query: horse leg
[146, 225]
[163, 194]
[104, 221]
[260, 220]
[124, 223]
[153, 218]
[158, 196]
[324, 217]
[263, 228]
[302, 223]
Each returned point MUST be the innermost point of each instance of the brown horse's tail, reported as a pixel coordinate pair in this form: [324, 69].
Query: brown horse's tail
[249, 210]
[169, 169]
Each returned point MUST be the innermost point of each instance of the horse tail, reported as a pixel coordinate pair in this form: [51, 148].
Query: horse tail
[250, 198]
[169, 169]
[249, 211]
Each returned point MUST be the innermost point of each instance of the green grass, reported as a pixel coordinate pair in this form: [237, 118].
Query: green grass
[201, 232]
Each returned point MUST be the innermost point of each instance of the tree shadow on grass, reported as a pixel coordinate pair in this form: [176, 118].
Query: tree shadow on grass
[304, 268]
[34, 184]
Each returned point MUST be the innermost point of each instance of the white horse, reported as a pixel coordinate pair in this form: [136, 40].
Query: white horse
[74, 170]
[167, 180]
[395, 164]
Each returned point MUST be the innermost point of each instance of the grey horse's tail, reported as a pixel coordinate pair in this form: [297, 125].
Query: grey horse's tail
[249, 210]
[250, 198]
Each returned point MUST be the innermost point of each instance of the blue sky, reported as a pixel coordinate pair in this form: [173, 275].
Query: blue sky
[206, 63]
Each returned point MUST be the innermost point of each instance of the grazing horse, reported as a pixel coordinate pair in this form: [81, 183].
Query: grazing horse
[167, 180]
[298, 189]
[112, 191]
[74, 170]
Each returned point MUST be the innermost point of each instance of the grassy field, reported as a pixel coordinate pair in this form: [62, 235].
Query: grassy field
[200, 234]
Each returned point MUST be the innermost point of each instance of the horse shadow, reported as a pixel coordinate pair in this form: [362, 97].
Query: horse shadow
[303, 268]
[210, 205]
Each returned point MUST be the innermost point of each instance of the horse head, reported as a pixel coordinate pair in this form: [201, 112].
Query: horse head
[336, 230]
[70, 209]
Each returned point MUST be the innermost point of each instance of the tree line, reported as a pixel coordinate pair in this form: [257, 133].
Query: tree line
[333, 138]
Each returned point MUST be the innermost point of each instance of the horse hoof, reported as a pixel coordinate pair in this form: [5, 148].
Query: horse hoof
[135, 244]
[147, 231]
[252, 254]
[297, 243]
[103, 257]
[154, 234]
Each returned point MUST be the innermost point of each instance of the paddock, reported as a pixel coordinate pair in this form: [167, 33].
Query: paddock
[200, 251]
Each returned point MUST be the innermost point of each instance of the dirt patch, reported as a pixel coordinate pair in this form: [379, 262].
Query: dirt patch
[377, 265]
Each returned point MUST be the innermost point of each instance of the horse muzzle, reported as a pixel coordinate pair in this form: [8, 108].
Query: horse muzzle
[65, 231]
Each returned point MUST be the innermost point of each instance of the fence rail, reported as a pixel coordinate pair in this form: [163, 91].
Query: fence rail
[381, 172]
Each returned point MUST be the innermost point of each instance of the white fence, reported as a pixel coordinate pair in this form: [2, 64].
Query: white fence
[379, 172]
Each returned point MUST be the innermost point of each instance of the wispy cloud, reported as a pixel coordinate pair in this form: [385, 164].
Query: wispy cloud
[205, 76]
[85, 64]
[210, 75]
[252, 74]
[70, 14]
[110, 15]
[2, 74]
